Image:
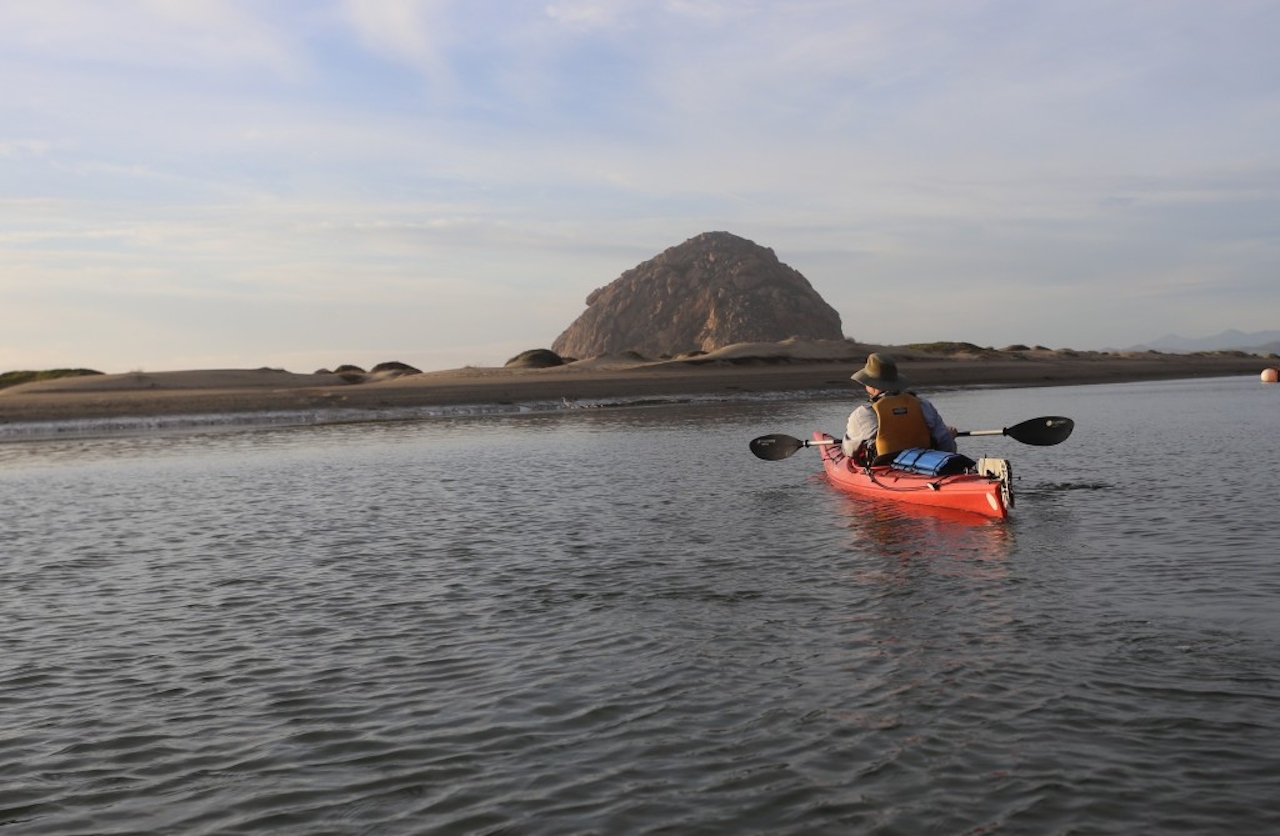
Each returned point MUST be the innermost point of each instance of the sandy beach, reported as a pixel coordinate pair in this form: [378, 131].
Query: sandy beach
[745, 368]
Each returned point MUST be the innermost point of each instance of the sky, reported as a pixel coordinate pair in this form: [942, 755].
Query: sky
[305, 183]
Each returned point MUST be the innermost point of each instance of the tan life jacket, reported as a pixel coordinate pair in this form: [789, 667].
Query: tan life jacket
[901, 423]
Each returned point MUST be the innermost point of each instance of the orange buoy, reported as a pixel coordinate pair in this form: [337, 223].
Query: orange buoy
[1270, 375]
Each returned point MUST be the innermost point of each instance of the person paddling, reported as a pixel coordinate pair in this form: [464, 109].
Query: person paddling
[895, 419]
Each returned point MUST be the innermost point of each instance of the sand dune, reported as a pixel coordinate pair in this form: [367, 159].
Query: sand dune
[789, 366]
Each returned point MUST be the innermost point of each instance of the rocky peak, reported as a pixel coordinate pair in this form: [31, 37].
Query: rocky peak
[713, 290]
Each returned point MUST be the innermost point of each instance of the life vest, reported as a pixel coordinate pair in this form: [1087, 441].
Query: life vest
[901, 423]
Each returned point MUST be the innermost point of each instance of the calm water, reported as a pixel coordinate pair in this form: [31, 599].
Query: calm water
[619, 621]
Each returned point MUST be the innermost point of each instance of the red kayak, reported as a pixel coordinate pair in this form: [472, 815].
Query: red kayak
[987, 491]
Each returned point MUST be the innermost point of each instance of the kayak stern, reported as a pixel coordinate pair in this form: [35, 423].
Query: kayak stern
[987, 491]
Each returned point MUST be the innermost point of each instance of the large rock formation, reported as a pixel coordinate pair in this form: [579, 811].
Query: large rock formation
[711, 291]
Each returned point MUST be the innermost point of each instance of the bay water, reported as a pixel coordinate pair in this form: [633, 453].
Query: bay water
[616, 620]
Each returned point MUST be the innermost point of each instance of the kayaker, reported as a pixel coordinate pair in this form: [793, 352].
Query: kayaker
[895, 419]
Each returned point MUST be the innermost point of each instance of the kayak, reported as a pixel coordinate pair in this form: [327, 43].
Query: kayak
[987, 490]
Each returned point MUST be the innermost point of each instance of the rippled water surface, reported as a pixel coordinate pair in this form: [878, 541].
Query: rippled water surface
[618, 621]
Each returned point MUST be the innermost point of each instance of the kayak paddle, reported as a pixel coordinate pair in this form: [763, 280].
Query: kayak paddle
[778, 446]
[1040, 432]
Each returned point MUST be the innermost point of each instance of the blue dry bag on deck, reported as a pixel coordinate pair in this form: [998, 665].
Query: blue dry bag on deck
[931, 462]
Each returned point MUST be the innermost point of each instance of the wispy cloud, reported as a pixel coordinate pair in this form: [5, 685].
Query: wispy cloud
[414, 32]
[149, 34]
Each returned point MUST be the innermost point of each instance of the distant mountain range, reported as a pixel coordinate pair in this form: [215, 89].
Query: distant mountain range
[1257, 342]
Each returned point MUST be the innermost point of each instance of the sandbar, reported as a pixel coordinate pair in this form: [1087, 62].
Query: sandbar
[789, 367]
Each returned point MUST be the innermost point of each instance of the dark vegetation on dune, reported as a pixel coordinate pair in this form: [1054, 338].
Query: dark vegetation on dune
[536, 358]
[15, 378]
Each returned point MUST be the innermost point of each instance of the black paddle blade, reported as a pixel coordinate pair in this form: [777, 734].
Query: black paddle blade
[775, 446]
[1042, 432]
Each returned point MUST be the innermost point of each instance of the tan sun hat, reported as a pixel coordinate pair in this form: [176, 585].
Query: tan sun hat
[881, 372]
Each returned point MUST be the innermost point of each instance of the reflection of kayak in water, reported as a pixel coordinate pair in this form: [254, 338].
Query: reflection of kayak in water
[986, 489]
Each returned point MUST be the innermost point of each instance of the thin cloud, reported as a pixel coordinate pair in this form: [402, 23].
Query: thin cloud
[187, 34]
[413, 32]
[19, 148]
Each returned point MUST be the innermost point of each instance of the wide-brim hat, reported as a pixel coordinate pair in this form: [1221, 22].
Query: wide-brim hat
[881, 372]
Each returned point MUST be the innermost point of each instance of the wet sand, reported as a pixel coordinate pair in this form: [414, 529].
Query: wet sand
[754, 368]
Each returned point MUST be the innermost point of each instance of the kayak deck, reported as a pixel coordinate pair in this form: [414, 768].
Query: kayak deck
[980, 493]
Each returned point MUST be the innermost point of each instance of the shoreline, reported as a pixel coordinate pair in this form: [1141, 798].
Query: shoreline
[749, 370]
